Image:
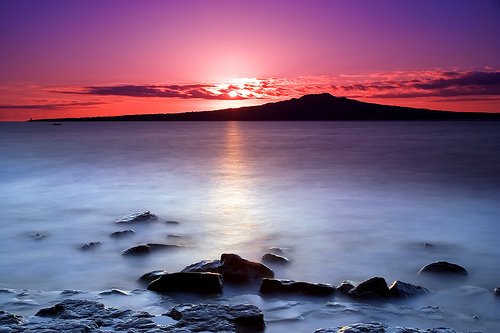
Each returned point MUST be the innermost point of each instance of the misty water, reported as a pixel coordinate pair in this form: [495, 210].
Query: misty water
[345, 200]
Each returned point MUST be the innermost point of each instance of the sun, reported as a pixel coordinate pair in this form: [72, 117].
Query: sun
[233, 93]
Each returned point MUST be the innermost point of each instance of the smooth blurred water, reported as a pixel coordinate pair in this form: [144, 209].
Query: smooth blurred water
[348, 200]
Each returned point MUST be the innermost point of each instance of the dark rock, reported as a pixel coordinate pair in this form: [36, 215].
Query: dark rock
[270, 286]
[174, 236]
[53, 311]
[209, 266]
[497, 291]
[275, 259]
[403, 289]
[91, 245]
[7, 319]
[70, 292]
[375, 287]
[344, 287]
[202, 283]
[218, 318]
[147, 248]
[239, 270]
[356, 328]
[443, 267]
[122, 233]
[141, 217]
[151, 276]
[39, 235]
[429, 245]
[114, 291]
[172, 222]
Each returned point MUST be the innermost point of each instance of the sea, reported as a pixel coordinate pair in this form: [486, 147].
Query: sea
[342, 200]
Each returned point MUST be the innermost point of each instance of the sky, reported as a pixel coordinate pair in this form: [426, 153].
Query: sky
[83, 58]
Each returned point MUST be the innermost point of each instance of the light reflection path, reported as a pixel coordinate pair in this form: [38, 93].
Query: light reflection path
[234, 201]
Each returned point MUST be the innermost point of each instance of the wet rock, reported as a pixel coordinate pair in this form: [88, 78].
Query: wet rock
[344, 287]
[8, 319]
[70, 292]
[218, 318]
[355, 328]
[403, 289]
[375, 287]
[39, 235]
[151, 276]
[141, 217]
[275, 259]
[173, 236]
[239, 270]
[209, 266]
[114, 291]
[429, 245]
[90, 246]
[122, 233]
[443, 267]
[279, 286]
[147, 248]
[172, 222]
[201, 283]
[497, 291]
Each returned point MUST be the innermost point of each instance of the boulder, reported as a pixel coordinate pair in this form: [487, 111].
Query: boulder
[209, 266]
[443, 267]
[151, 276]
[375, 287]
[239, 270]
[280, 286]
[200, 283]
[90, 246]
[497, 291]
[114, 291]
[344, 287]
[142, 249]
[141, 217]
[122, 233]
[402, 289]
[218, 318]
[272, 258]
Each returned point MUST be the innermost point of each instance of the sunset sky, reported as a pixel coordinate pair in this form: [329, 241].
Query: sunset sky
[61, 58]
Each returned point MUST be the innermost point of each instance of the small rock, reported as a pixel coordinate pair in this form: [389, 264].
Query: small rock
[356, 328]
[375, 287]
[151, 276]
[174, 236]
[202, 283]
[403, 289]
[39, 235]
[275, 259]
[497, 291]
[210, 266]
[141, 217]
[239, 270]
[147, 248]
[270, 286]
[91, 245]
[172, 222]
[70, 292]
[443, 267]
[114, 291]
[7, 318]
[122, 233]
[429, 245]
[344, 287]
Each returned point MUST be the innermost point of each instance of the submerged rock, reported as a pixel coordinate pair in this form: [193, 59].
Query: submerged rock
[39, 235]
[172, 222]
[209, 266]
[271, 286]
[497, 291]
[344, 287]
[443, 267]
[275, 259]
[239, 270]
[91, 245]
[356, 328]
[201, 283]
[142, 249]
[122, 233]
[375, 287]
[114, 291]
[141, 217]
[403, 289]
[218, 318]
[151, 276]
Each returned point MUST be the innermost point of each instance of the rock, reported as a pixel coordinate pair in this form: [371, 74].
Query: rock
[239, 270]
[403, 289]
[201, 283]
[7, 319]
[497, 291]
[151, 276]
[443, 267]
[218, 318]
[355, 328]
[344, 287]
[172, 222]
[270, 286]
[141, 217]
[275, 259]
[70, 292]
[147, 248]
[39, 235]
[375, 287]
[429, 245]
[90, 246]
[114, 291]
[209, 266]
[277, 250]
[174, 236]
[122, 233]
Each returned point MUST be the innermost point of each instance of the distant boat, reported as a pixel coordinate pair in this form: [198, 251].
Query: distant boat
[56, 124]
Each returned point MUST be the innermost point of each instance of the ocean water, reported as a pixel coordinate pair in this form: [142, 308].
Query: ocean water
[345, 200]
